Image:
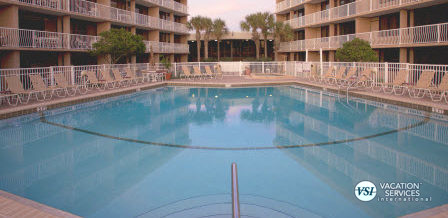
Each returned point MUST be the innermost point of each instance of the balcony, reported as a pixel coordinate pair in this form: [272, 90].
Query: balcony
[102, 12]
[33, 39]
[346, 11]
[405, 37]
[170, 4]
[287, 4]
[11, 38]
[164, 47]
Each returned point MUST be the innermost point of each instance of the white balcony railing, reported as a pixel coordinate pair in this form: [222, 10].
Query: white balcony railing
[21, 38]
[287, 4]
[100, 11]
[428, 34]
[164, 47]
[170, 4]
[345, 11]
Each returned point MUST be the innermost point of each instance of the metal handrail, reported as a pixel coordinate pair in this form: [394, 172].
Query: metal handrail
[235, 193]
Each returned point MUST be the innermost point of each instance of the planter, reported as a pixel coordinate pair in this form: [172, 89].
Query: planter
[167, 76]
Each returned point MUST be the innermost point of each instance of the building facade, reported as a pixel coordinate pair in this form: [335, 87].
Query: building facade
[406, 31]
[40, 33]
[234, 46]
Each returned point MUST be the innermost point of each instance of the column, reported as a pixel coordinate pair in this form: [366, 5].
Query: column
[66, 28]
[331, 32]
[102, 27]
[231, 49]
[403, 24]
[9, 17]
[153, 35]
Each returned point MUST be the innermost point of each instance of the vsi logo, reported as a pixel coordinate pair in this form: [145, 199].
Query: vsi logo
[365, 191]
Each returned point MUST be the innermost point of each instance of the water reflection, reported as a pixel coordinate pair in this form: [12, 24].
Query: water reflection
[414, 155]
[65, 169]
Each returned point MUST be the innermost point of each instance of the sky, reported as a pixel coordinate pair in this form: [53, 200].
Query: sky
[232, 11]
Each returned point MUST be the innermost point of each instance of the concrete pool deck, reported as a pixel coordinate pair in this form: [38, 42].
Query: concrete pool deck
[15, 206]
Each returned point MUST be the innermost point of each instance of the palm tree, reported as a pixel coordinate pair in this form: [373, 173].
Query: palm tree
[282, 32]
[252, 23]
[207, 27]
[266, 29]
[219, 30]
[196, 24]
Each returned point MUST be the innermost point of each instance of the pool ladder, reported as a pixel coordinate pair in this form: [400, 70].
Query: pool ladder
[235, 193]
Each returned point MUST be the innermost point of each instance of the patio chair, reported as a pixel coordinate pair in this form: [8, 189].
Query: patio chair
[123, 81]
[396, 86]
[326, 77]
[197, 72]
[109, 81]
[208, 72]
[39, 85]
[186, 72]
[8, 98]
[348, 79]
[16, 87]
[314, 76]
[365, 79]
[422, 86]
[334, 79]
[133, 76]
[218, 71]
[93, 81]
[61, 82]
[440, 91]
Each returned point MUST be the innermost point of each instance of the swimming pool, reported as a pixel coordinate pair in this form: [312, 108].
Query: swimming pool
[167, 152]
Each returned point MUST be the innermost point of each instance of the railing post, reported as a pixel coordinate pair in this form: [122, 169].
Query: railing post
[407, 76]
[386, 72]
[348, 9]
[72, 72]
[438, 33]
[262, 67]
[51, 76]
[240, 68]
[175, 69]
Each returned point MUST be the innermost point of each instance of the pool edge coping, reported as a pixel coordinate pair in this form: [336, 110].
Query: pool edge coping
[59, 103]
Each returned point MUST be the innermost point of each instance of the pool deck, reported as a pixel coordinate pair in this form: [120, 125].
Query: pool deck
[425, 104]
[15, 206]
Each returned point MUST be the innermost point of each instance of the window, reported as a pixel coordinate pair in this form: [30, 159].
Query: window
[324, 5]
[164, 15]
[164, 37]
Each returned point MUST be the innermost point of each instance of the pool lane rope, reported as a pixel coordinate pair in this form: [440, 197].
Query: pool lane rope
[44, 120]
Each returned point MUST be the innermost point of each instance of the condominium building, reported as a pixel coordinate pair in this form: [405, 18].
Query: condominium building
[39, 33]
[234, 46]
[407, 31]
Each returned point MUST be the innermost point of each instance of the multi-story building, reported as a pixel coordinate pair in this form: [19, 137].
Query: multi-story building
[409, 31]
[234, 46]
[38, 33]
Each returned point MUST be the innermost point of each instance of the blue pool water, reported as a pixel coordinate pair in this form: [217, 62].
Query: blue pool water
[167, 153]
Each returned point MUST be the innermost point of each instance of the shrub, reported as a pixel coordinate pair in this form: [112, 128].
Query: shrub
[357, 50]
[209, 60]
[117, 44]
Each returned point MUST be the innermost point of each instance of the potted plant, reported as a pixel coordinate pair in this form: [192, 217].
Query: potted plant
[167, 64]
